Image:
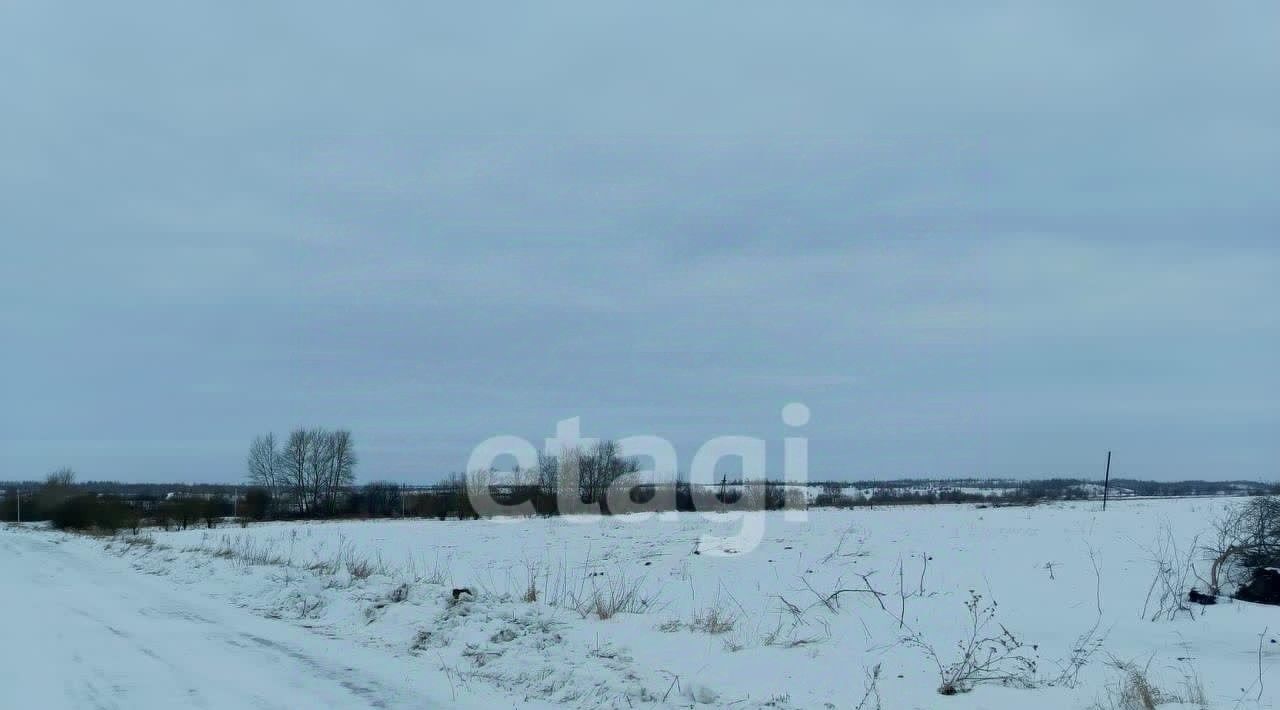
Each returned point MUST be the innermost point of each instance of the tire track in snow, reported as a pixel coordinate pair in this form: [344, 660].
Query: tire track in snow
[92, 634]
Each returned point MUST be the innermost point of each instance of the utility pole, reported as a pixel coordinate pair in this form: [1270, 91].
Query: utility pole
[18, 492]
[1106, 482]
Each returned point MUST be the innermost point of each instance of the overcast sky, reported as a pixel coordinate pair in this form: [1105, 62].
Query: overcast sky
[974, 238]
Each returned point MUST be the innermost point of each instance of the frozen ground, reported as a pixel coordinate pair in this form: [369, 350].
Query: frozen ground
[356, 614]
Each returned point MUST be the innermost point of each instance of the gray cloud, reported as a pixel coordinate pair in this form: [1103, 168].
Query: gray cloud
[982, 239]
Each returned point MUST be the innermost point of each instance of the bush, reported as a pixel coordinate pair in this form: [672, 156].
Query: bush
[377, 499]
[987, 655]
[92, 512]
[257, 503]
[1247, 537]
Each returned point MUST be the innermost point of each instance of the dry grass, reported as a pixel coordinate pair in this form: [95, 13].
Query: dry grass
[617, 595]
[359, 568]
[246, 552]
[1135, 690]
[670, 626]
[713, 620]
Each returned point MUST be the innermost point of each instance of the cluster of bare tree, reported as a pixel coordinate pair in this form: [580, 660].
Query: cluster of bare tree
[587, 472]
[307, 471]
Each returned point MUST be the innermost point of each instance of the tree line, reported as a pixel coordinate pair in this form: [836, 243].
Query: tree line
[68, 505]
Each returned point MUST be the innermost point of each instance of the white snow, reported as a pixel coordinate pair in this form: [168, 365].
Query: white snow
[283, 614]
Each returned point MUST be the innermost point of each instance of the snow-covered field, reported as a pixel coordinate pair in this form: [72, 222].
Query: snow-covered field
[363, 614]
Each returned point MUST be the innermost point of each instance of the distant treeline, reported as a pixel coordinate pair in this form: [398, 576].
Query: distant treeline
[1125, 486]
[135, 490]
[1014, 492]
[67, 504]
[1193, 488]
[110, 506]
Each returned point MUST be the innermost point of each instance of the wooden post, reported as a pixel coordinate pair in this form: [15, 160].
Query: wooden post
[1106, 483]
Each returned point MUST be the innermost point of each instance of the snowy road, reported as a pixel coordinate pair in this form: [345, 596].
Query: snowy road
[80, 629]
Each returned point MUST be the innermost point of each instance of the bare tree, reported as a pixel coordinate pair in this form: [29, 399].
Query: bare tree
[57, 488]
[599, 467]
[318, 469]
[295, 459]
[332, 467]
[62, 478]
[343, 462]
[266, 465]
[314, 466]
[548, 474]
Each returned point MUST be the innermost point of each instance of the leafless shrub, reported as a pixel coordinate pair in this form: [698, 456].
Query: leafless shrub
[985, 655]
[1086, 645]
[905, 592]
[844, 550]
[796, 627]
[1174, 571]
[399, 594]
[831, 600]
[871, 697]
[1083, 649]
[1246, 536]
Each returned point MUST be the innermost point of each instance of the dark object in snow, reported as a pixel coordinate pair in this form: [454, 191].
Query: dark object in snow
[1263, 588]
[1195, 597]
[457, 593]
